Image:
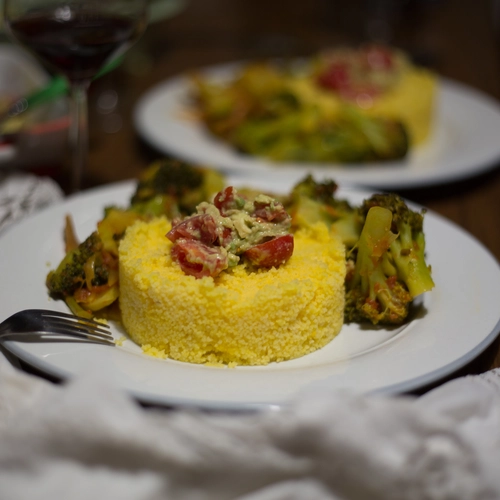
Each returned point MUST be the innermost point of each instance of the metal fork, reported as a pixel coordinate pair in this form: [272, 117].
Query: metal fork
[41, 324]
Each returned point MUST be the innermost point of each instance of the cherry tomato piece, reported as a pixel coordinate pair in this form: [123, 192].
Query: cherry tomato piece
[335, 77]
[272, 253]
[197, 259]
[224, 200]
[379, 57]
[200, 227]
[270, 211]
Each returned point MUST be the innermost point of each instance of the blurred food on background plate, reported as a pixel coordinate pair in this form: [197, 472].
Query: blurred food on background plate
[347, 105]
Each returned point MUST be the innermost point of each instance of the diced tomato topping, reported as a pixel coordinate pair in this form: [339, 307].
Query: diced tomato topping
[335, 77]
[201, 243]
[349, 75]
[270, 211]
[272, 253]
[200, 227]
[225, 200]
[225, 237]
[378, 57]
[198, 259]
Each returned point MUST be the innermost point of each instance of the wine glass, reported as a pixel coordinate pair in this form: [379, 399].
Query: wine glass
[76, 38]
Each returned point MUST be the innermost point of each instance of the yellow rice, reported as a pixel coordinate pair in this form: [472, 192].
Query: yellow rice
[240, 317]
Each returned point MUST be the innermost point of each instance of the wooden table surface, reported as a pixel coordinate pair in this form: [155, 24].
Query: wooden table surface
[460, 40]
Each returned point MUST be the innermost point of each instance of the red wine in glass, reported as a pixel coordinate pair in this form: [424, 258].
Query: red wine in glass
[79, 46]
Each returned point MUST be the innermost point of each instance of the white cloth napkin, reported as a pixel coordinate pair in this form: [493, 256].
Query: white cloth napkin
[88, 440]
[22, 194]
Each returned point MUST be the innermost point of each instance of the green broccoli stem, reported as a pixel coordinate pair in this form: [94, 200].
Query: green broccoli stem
[374, 291]
[375, 239]
[408, 253]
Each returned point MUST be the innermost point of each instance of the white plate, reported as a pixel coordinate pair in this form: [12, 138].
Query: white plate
[456, 321]
[464, 143]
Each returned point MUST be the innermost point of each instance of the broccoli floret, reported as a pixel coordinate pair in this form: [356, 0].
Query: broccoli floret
[388, 262]
[174, 188]
[86, 279]
[305, 136]
[408, 250]
[386, 139]
[70, 274]
[311, 202]
[320, 191]
[167, 177]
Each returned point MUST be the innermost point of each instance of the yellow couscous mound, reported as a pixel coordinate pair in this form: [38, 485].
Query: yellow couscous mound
[412, 101]
[239, 317]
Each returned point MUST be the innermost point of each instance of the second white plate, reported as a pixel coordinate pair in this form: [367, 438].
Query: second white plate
[464, 142]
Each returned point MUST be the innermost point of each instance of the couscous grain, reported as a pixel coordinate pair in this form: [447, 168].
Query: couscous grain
[239, 317]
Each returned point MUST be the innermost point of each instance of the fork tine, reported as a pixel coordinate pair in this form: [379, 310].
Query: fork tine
[48, 325]
[81, 336]
[62, 329]
[56, 314]
[77, 326]
[76, 322]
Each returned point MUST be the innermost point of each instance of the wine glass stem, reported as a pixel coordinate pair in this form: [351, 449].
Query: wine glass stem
[79, 134]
